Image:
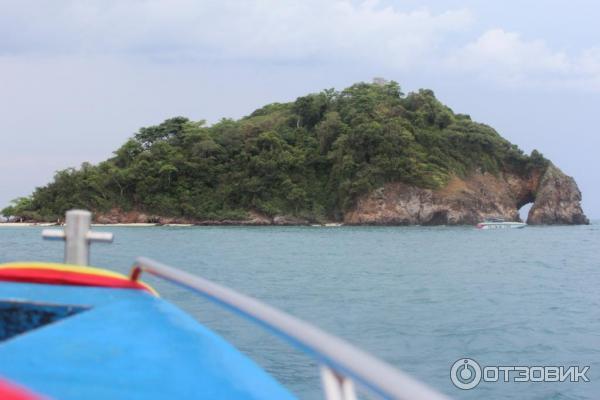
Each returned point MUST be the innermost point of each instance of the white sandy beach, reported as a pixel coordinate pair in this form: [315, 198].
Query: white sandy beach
[140, 224]
[24, 224]
[35, 224]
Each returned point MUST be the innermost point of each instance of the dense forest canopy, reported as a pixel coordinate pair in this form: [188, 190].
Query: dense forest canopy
[310, 158]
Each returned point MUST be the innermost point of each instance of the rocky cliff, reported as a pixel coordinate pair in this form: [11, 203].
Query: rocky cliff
[555, 196]
[557, 200]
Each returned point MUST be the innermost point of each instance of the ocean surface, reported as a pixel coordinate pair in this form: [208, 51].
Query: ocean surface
[418, 297]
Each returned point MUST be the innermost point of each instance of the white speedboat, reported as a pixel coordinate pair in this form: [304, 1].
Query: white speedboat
[499, 223]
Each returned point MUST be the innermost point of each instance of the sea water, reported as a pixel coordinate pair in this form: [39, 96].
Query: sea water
[418, 297]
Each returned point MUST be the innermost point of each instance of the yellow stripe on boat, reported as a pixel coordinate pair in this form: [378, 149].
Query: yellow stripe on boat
[79, 269]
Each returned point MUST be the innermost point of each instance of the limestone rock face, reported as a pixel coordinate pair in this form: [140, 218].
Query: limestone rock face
[468, 201]
[118, 216]
[558, 200]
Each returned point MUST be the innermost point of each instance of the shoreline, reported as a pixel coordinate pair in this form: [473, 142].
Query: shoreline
[240, 224]
[25, 224]
[51, 224]
[150, 224]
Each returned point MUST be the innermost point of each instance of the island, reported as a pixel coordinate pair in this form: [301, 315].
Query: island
[368, 154]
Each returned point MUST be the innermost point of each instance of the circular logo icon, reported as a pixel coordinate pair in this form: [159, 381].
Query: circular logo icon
[465, 373]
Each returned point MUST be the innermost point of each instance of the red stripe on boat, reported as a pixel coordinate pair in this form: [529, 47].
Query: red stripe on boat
[9, 391]
[58, 277]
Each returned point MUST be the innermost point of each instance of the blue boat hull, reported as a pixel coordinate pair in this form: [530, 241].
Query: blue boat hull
[125, 344]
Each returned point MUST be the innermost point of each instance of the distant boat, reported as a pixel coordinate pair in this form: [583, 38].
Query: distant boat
[329, 225]
[500, 223]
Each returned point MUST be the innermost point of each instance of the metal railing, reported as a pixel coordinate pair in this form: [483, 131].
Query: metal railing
[342, 365]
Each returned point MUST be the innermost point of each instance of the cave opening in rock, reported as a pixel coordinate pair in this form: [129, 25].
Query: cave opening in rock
[438, 218]
[524, 211]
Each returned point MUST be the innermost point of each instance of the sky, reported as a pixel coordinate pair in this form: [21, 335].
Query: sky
[77, 78]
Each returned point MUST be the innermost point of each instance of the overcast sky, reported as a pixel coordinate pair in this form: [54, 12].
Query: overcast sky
[77, 78]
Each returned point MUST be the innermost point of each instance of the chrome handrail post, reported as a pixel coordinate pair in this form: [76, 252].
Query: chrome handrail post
[77, 236]
[335, 386]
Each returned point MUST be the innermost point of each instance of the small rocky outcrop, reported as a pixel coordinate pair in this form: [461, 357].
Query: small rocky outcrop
[118, 216]
[557, 200]
[289, 220]
[555, 196]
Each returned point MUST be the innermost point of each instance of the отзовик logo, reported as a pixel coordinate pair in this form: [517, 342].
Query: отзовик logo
[465, 373]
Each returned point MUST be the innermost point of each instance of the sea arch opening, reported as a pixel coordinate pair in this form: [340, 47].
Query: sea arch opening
[524, 211]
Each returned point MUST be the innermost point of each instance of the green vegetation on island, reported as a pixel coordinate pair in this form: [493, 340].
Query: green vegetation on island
[310, 158]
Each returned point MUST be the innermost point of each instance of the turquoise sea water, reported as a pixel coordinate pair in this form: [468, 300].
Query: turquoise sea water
[418, 297]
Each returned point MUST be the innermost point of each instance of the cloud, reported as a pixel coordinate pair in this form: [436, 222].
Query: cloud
[267, 30]
[368, 34]
[507, 58]
[588, 66]
[498, 49]
[364, 33]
